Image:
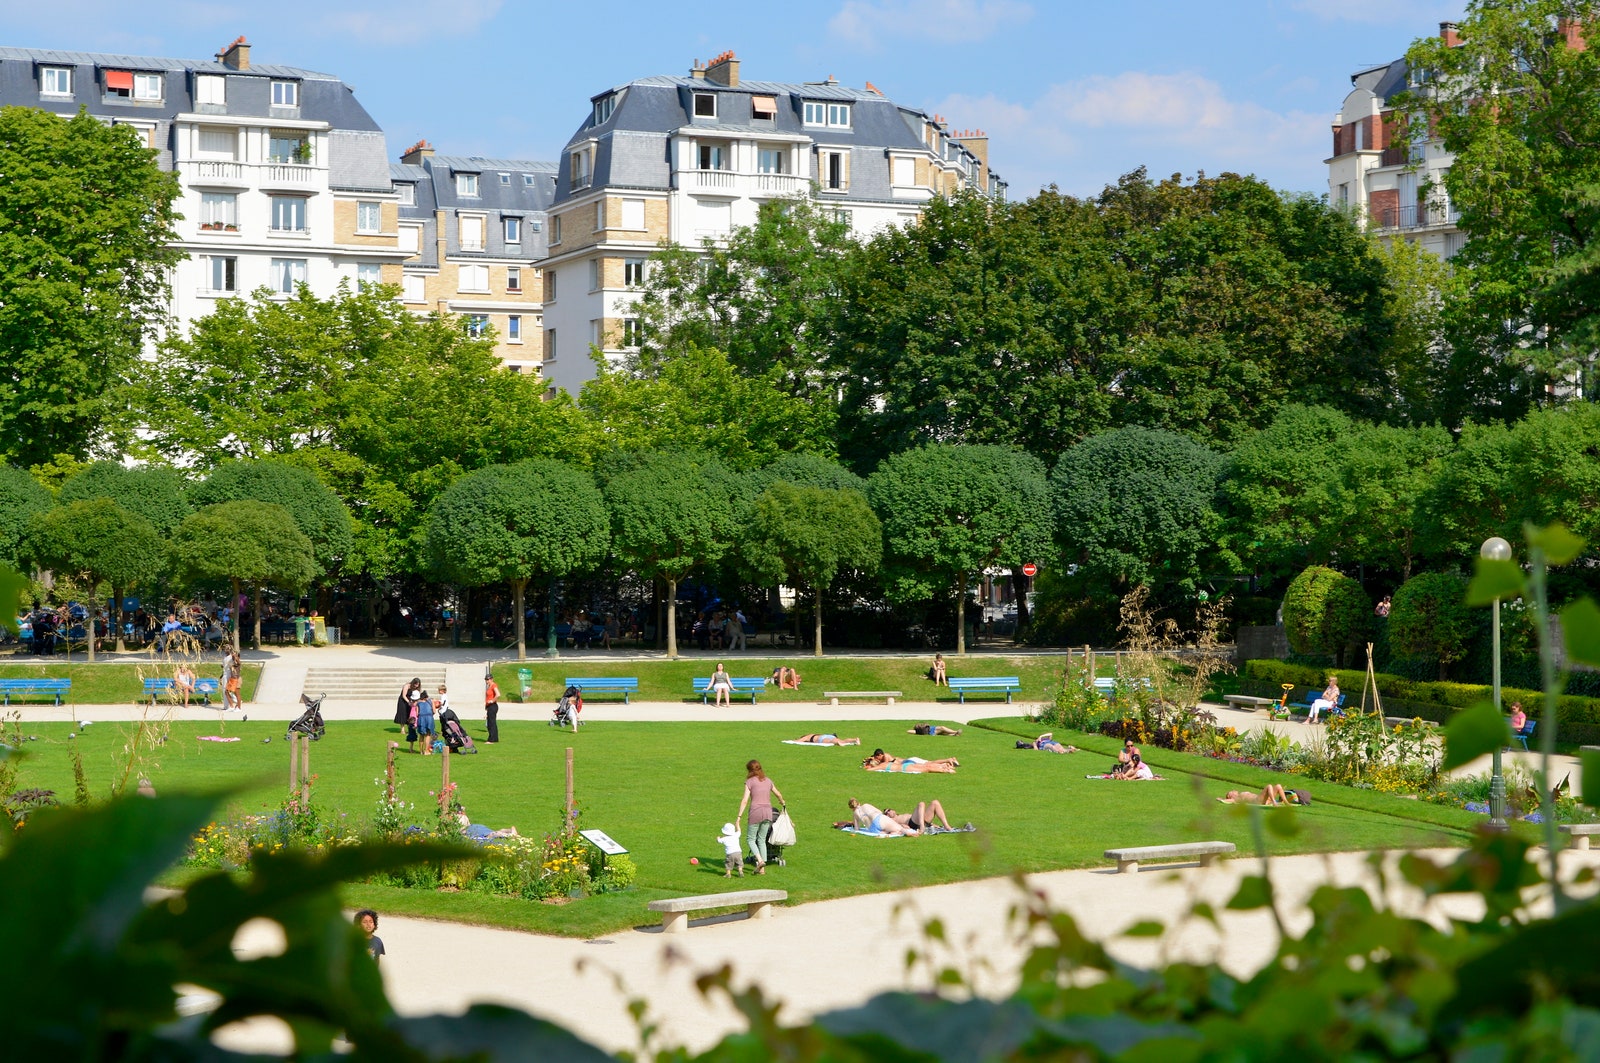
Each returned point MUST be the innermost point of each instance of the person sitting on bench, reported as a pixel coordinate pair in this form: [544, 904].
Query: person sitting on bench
[1328, 700]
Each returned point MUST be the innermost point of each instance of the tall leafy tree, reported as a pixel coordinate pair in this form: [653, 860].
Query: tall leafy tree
[1374, 515]
[672, 515]
[513, 523]
[85, 244]
[1430, 618]
[316, 510]
[1515, 103]
[1325, 611]
[21, 496]
[951, 512]
[243, 542]
[97, 541]
[154, 492]
[807, 535]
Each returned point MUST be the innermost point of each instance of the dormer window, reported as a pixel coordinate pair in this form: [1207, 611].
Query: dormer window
[467, 184]
[836, 115]
[210, 89]
[603, 109]
[147, 86]
[705, 105]
[286, 94]
[579, 171]
[55, 81]
[764, 108]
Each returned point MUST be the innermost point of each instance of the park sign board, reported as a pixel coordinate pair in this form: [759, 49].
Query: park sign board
[602, 841]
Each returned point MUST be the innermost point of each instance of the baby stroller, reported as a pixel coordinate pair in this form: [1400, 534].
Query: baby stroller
[310, 721]
[455, 736]
[567, 709]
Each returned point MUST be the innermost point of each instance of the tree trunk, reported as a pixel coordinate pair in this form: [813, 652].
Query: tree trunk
[817, 609]
[93, 618]
[235, 615]
[116, 619]
[551, 649]
[255, 616]
[517, 587]
[961, 616]
[1023, 585]
[672, 618]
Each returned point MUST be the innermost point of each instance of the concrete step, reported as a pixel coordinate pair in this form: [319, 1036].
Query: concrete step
[369, 684]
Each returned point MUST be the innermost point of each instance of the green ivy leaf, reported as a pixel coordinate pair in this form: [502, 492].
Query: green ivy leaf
[1580, 626]
[1474, 732]
[1560, 546]
[1495, 580]
[1253, 893]
[1589, 764]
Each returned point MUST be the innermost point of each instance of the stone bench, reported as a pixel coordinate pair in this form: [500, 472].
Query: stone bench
[1128, 860]
[675, 910]
[1581, 833]
[833, 696]
[1250, 701]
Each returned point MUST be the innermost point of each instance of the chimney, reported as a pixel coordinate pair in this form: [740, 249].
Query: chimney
[1450, 33]
[724, 70]
[417, 152]
[875, 90]
[236, 56]
[977, 142]
[698, 72]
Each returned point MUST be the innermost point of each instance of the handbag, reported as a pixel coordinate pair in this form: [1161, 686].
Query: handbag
[782, 832]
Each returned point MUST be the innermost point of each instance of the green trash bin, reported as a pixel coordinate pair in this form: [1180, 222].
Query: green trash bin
[525, 678]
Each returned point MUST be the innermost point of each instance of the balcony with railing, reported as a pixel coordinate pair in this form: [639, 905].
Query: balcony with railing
[251, 174]
[1414, 216]
[735, 182]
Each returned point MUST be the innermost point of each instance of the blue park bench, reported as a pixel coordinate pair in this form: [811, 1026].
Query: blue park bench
[1304, 705]
[604, 685]
[56, 688]
[741, 687]
[1002, 684]
[1106, 686]
[203, 687]
[1525, 733]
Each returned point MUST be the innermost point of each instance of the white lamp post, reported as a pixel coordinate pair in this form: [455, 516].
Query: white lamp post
[1496, 549]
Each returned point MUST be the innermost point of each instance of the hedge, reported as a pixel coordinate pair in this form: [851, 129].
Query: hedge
[1436, 701]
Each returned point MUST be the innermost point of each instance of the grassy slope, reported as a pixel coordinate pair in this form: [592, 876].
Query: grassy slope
[664, 790]
[119, 683]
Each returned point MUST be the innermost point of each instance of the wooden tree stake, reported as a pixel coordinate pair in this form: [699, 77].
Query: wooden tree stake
[570, 816]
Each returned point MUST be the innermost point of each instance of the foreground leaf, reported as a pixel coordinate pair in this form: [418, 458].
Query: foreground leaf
[1474, 732]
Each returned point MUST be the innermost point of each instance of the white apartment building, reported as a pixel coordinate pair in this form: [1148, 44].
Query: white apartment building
[285, 177]
[1392, 178]
[687, 159]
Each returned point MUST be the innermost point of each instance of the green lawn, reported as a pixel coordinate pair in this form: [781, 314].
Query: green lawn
[120, 682]
[1040, 676]
[664, 790]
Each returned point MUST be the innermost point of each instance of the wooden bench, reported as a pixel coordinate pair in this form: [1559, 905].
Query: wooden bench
[604, 685]
[1002, 684]
[1580, 832]
[1128, 860]
[203, 687]
[741, 687]
[675, 910]
[56, 688]
[833, 696]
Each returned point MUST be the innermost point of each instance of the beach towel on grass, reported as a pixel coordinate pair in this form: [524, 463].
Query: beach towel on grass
[215, 738]
[797, 742]
[866, 833]
[1153, 778]
[928, 830]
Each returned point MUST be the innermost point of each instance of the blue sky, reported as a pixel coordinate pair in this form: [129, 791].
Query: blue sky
[1073, 94]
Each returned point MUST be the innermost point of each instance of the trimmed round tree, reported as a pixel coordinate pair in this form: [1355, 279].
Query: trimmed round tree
[155, 492]
[97, 541]
[1325, 612]
[672, 513]
[1429, 617]
[319, 514]
[809, 470]
[806, 535]
[21, 496]
[511, 523]
[244, 542]
[949, 512]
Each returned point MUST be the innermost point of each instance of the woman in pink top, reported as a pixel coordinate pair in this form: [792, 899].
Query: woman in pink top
[758, 793]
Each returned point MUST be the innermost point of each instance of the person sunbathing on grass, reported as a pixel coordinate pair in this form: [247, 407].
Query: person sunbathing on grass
[1271, 794]
[933, 729]
[922, 818]
[828, 740]
[868, 818]
[1048, 744]
[881, 761]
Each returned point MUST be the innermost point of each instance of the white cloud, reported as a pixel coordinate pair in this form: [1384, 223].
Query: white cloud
[865, 23]
[1084, 134]
[1418, 14]
[412, 21]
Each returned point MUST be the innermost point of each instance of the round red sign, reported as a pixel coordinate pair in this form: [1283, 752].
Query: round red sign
[1030, 569]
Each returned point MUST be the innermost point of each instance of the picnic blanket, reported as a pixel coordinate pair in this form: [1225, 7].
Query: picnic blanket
[1153, 778]
[868, 833]
[215, 738]
[932, 828]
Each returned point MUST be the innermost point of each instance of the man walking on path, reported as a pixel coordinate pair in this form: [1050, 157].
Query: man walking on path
[491, 704]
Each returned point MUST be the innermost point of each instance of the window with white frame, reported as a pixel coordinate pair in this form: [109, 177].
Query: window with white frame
[513, 328]
[633, 214]
[513, 278]
[411, 238]
[147, 86]
[286, 94]
[288, 147]
[466, 184]
[705, 105]
[477, 324]
[905, 170]
[771, 160]
[368, 274]
[596, 331]
[505, 179]
[211, 89]
[219, 211]
[632, 332]
[369, 217]
[550, 285]
[408, 195]
[578, 163]
[413, 288]
[221, 273]
[839, 115]
[815, 113]
[527, 180]
[555, 228]
[834, 170]
[549, 344]
[633, 272]
[714, 157]
[288, 214]
[55, 81]
[595, 273]
[599, 215]
[473, 279]
[217, 144]
[603, 109]
[287, 273]
[513, 227]
[469, 229]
